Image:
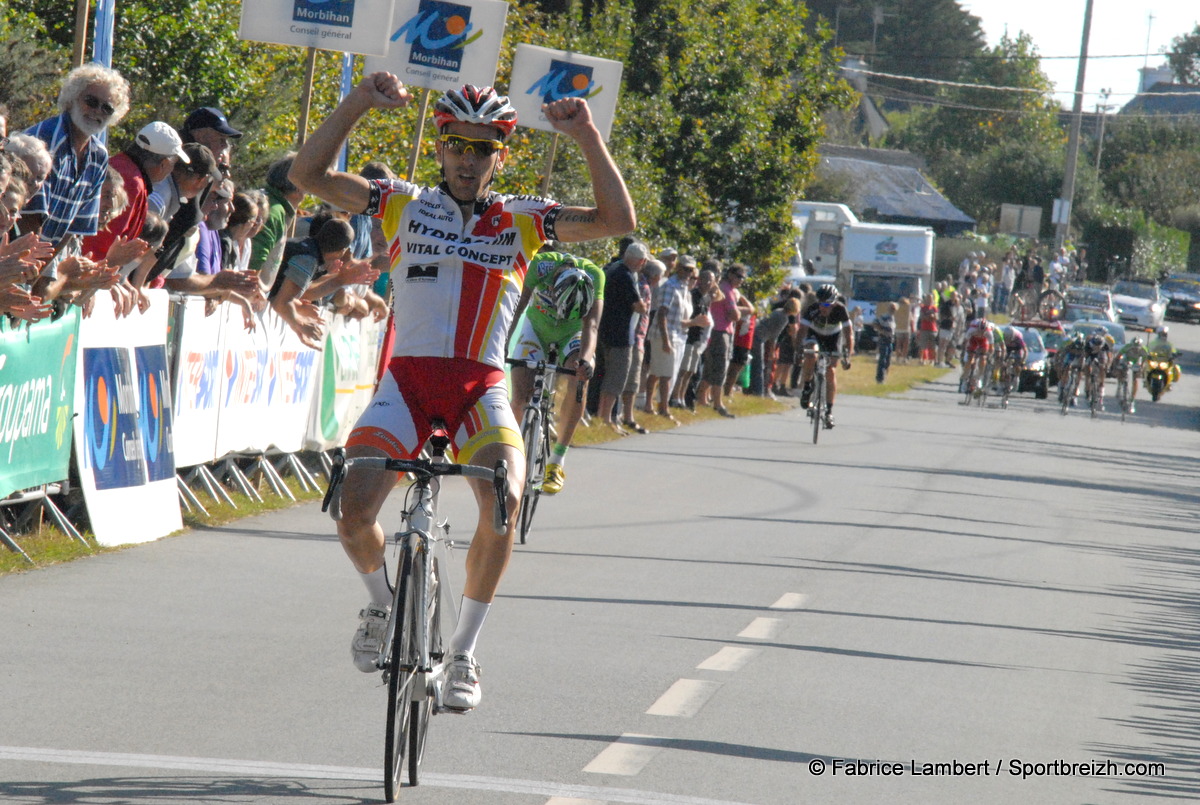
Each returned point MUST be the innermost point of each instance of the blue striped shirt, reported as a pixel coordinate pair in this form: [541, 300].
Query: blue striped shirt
[69, 201]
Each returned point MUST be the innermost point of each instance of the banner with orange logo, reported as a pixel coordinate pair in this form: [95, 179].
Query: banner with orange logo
[124, 433]
[541, 75]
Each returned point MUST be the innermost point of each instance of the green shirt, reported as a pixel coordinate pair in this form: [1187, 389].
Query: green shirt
[542, 313]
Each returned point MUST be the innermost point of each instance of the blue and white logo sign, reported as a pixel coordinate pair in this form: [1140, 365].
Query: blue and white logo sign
[440, 44]
[327, 12]
[541, 76]
[349, 26]
[565, 79]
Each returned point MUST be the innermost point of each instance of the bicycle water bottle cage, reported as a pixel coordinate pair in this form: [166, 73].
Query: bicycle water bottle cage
[439, 439]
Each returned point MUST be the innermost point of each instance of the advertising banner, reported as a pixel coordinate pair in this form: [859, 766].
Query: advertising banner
[124, 434]
[442, 45]
[347, 380]
[541, 75]
[197, 382]
[353, 26]
[268, 379]
[37, 400]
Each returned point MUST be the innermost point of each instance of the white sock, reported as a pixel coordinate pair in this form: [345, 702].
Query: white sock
[470, 621]
[378, 587]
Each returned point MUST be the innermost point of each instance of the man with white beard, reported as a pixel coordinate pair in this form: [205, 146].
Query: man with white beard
[67, 206]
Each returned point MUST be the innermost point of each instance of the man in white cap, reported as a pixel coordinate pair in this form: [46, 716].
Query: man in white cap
[149, 158]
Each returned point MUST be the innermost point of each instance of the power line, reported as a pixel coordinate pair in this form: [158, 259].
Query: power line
[944, 83]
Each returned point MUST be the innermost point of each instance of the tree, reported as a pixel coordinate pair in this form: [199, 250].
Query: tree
[1184, 57]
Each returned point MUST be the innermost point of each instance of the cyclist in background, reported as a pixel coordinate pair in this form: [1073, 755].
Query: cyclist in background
[825, 323]
[1134, 354]
[981, 340]
[459, 255]
[1097, 351]
[563, 297]
[1015, 350]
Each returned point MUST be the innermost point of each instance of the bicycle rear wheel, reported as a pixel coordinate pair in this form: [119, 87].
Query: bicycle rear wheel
[421, 710]
[537, 455]
[400, 681]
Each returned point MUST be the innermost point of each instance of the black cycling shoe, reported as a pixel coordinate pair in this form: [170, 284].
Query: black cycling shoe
[828, 421]
[806, 395]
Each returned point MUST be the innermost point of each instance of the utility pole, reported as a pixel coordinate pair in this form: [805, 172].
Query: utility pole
[1102, 112]
[1063, 223]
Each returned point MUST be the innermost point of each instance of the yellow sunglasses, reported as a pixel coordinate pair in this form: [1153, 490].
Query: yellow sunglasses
[460, 145]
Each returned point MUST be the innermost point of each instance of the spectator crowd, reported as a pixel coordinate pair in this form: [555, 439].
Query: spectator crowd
[78, 223]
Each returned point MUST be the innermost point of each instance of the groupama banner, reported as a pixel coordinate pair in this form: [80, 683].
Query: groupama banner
[541, 75]
[353, 26]
[37, 399]
[442, 45]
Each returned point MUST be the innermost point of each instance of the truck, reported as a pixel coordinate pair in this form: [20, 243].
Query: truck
[872, 262]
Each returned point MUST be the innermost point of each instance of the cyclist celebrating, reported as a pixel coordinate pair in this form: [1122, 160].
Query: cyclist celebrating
[823, 324]
[567, 296]
[459, 254]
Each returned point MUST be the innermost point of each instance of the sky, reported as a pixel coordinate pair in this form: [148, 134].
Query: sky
[1119, 28]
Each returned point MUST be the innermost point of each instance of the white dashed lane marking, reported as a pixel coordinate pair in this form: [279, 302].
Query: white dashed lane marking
[761, 629]
[730, 658]
[626, 756]
[684, 699]
[790, 601]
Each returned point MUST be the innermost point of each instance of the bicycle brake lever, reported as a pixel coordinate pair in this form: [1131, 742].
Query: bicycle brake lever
[500, 485]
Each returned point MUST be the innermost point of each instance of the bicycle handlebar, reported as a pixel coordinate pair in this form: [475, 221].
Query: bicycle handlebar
[423, 468]
[528, 364]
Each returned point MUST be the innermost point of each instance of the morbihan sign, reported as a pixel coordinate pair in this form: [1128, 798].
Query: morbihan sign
[541, 75]
[442, 45]
[352, 26]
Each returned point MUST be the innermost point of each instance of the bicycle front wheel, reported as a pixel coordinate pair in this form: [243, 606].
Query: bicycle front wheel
[537, 455]
[421, 710]
[400, 669]
[818, 404]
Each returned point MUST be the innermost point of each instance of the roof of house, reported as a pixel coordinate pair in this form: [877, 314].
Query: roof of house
[1166, 99]
[894, 191]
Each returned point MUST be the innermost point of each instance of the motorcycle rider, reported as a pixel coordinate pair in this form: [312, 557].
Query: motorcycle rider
[1160, 349]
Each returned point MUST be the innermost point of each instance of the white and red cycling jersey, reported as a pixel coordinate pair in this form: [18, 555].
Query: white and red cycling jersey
[981, 336]
[457, 280]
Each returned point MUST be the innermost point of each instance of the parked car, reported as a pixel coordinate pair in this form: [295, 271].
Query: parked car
[1035, 376]
[1083, 296]
[1139, 303]
[1183, 298]
[1051, 334]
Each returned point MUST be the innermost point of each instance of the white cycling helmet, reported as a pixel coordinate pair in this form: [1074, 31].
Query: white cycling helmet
[574, 294]
[472, 104]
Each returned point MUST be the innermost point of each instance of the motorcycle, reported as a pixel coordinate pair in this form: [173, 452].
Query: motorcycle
[1160, 374]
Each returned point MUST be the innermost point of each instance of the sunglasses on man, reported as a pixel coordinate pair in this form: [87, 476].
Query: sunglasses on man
[461, 146]
[93, 102]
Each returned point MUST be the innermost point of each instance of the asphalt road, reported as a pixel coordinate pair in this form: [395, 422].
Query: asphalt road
[706, 616]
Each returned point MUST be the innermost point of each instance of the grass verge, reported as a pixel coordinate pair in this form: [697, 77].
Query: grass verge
[49, 546]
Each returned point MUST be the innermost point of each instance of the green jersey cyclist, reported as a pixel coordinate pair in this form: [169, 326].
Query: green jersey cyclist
[563, 297]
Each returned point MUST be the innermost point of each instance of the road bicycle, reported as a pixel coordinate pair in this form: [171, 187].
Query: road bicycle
[818, 403]
[1124, 388]
[1069, 386]
[1010, 377]
[536, 431]
[975, 384]
[412, 655]
[1095, 386]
